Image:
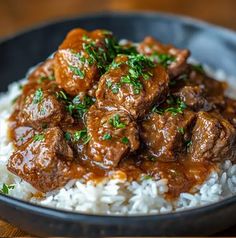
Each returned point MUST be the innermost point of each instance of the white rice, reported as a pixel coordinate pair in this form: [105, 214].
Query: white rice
[114, 196]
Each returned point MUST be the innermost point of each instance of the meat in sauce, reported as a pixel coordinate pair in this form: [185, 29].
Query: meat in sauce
[99, 108]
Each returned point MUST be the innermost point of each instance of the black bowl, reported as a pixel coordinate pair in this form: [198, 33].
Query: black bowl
[211, 45]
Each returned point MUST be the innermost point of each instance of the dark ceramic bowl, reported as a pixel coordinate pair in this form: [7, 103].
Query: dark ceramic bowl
[211, 45]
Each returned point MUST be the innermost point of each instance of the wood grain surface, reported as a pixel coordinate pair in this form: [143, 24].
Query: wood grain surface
[16, 15]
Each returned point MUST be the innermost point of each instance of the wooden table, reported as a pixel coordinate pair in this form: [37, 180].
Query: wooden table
[7, 230]
[20, 14]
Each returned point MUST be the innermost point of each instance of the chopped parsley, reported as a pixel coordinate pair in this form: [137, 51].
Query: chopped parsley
[128, 50]
[125, 140]
[78, 107]
[61, 95]
[81, 58]
[188, 143]
[114, 65]
[164, 59]
[198, 67]
[115, 88]
[102, 56]
[38, 96]
[176, 106]
[42, 78]
[181, 130]
[178, 109]
[77, 71]
[115, 122]
[67, 136]
[85, 37]
[82, 135]
[21, 139]
[138, 65]
[137, 85]
[107, 136]
[108, 83]
[6, 188]
[38, 137]
[158, 110]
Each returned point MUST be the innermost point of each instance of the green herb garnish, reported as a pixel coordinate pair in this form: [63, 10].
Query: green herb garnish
[181, 130]
[6, 188]
[102, 56]
[43, 78]
[158, 110]
[114, 65]
[115, 122]
[163, 59]
[125, 140]
[67, 136]
[188, 143]
[176, 106]
[38, 137]
[138, 65]
[85, 37]
[107, 136]
[115, 88]
[108, 83]
[179, 108]
[61, 95]
[21, 139]
[77, 71]
[82, 135]
[38, 96]
[78, 107]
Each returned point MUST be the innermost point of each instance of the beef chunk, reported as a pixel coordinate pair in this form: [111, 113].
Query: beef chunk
[43, 72]
[213, 138]
[214, 90]
[44, 161]
[41, 109]
[113, 135]
[165, 135]
[21, 134]
[194, 98]
[81, 58]
[169, 56]
[132, 84]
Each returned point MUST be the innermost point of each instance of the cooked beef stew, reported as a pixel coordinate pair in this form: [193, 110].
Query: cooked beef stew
[99, 108]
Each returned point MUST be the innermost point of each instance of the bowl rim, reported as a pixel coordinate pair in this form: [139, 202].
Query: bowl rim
[67, 215]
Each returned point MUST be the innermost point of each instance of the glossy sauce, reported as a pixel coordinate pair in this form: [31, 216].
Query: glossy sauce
[183, 174]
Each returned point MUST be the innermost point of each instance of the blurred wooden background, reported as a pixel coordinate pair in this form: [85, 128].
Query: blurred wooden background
[16, 15]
